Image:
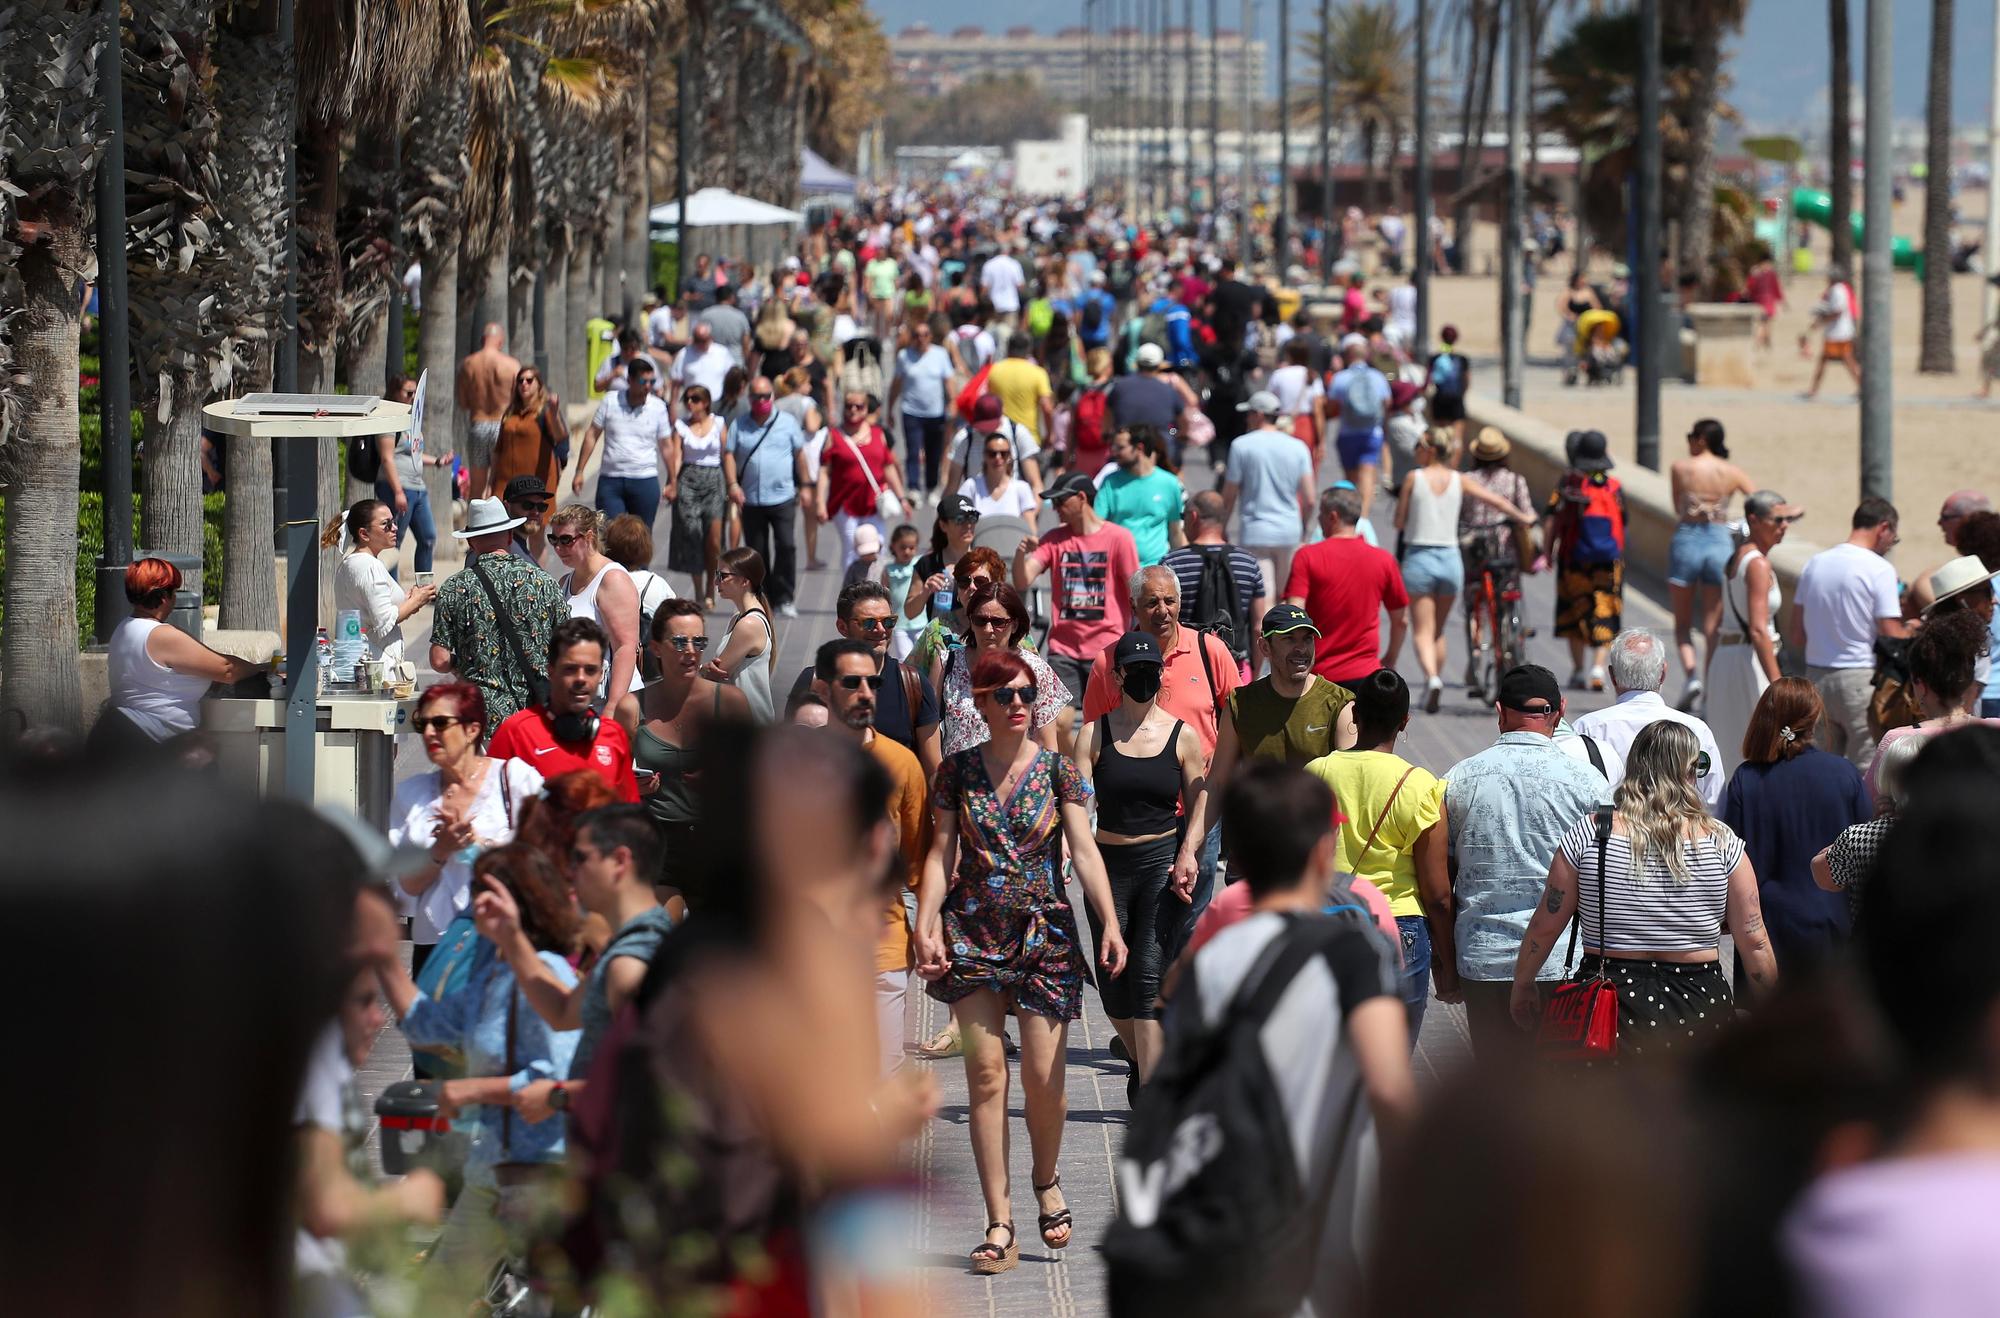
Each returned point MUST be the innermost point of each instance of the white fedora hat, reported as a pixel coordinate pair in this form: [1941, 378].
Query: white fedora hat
[489, 517]
[1957, 577]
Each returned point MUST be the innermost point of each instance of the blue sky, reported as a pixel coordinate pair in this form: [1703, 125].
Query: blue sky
[1780, 59]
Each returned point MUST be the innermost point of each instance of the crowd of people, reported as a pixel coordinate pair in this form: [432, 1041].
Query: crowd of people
[667, 903]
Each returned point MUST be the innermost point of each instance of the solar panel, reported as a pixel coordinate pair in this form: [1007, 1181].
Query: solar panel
[305, 405]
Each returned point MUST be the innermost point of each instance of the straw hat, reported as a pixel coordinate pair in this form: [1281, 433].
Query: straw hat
[1489, 445]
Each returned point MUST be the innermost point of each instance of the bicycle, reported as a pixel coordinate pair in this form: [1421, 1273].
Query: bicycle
[1493, 614]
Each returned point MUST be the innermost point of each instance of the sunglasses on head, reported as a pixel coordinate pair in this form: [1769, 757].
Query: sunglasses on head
[1008, 695]
[435, 723]
[564, 541]
[853, 681]
[686, 643]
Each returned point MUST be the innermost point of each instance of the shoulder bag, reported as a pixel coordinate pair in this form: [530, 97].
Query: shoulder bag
[560, 447]
[536, 682]
[1581, 1021]
[887, 506]
[1381, 819]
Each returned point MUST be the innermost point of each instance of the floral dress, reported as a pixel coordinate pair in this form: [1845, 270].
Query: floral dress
[1007, 925]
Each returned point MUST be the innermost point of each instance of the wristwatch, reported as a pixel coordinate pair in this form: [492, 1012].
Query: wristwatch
[559, 1097]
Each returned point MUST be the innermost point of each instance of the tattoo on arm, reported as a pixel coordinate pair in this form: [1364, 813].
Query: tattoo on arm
[1555, 899]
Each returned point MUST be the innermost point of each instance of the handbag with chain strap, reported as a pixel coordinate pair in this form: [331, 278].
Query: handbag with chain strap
[1580, 1023]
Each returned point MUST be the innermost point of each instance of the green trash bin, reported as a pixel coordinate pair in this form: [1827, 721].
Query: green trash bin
[603, 347]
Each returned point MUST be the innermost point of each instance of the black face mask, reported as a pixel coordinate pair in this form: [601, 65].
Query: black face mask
[1141, 682]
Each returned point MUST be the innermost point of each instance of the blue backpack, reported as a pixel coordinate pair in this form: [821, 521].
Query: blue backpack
[1362, 402]
[1448, 375]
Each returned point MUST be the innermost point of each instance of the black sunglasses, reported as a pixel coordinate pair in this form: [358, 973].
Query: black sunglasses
[1007, 695]
[436, 723]
[873, 624]
[761, 398]
[564, 541]
[853, 681]
[686, 643]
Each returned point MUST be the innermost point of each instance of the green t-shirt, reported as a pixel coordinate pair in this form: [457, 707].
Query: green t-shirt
[1143, 505]
[1270, 727]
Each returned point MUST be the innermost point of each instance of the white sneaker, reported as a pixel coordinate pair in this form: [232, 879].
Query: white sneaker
[1690, 695]
[788, 610]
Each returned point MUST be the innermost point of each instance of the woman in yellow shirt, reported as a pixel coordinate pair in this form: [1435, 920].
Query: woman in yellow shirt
[1394, 837]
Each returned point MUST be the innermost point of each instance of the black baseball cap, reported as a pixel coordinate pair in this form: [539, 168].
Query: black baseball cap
[957, 508]
[1523, 686]
[1282, 618]
[1136, 648]
[1074, 482]
[523, 489]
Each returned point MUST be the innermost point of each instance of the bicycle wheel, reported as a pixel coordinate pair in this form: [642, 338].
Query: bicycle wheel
[1487, 663]
[1509, 645]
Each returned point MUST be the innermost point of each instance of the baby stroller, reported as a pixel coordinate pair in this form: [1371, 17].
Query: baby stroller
[1599, 354]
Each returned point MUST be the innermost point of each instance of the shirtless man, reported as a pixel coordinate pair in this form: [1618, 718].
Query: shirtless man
[485, 384]
[1702, 483]
[1958, 505]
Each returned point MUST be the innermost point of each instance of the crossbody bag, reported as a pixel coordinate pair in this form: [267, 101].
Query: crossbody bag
[1580, 1023]
[887, 506]
[536, 683]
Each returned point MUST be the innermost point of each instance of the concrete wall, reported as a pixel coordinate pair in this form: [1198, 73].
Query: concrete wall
[1649, 510]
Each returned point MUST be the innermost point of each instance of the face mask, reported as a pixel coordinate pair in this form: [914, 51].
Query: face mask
[1141, 682]
[761, 409]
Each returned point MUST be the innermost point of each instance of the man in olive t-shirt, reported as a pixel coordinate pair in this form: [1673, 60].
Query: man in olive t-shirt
[1293, 715]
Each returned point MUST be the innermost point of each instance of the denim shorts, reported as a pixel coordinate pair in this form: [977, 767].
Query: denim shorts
[1359, 448]
[1699, 554]
[1433, 570]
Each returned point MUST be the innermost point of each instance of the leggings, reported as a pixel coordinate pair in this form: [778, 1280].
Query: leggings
[1149, 917]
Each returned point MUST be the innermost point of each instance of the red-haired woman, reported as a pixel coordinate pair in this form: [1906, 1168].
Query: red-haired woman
[995, 930]
[158, 673]
[460, 807]
[996, 622]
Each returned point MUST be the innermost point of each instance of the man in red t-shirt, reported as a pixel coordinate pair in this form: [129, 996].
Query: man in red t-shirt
[1344, 583]
[565, 734]
[1093, 561]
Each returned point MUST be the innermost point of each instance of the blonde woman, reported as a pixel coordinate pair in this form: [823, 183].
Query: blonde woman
[602, 591]
[1669, 881]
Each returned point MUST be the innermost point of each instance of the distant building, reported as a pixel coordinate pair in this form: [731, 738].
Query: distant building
[927, 62]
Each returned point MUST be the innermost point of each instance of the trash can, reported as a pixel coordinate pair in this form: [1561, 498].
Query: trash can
[413, 1134]
[187, 600]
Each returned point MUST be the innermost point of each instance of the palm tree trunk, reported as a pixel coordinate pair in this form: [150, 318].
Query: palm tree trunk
[1698, 199]
[555, 328]
[38, 669]
[633, 187]
[1372, 186]
[437, 355]
[1472, 148]
[1840, 139]
[170, 514]
[1935, 356]
[577, 310]
[249, 586]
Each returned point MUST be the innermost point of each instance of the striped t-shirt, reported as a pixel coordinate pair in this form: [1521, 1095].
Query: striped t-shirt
[1653, 913]
[1185, 563]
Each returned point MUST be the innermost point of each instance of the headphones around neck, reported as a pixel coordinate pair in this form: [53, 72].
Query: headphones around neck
[580, 726]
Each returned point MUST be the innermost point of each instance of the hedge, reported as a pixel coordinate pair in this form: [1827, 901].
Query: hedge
[90, 544]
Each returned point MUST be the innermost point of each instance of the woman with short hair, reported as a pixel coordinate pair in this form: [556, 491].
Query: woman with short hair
[158, 673]
[994, 929]
[1787, 801]
[1656, 881]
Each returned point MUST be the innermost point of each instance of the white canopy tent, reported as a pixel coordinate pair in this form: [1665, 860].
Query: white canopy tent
[739, 227]
[713, 207]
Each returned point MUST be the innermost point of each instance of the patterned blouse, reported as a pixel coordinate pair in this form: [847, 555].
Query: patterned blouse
[465, 624]
[963, 726]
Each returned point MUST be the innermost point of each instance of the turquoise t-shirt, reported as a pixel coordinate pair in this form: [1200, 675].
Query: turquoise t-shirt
[1143, 505]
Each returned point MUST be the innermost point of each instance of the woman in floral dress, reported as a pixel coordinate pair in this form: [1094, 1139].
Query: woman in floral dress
[995, 930]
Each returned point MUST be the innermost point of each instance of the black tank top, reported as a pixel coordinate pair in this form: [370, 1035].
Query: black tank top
[1137, 796]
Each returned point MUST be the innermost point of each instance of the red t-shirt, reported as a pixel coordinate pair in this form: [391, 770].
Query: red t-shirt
[847, 487]
[527, 737]
[1346, 584]
[1092, 587]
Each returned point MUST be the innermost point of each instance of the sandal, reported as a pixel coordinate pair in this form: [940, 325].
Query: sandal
[1060, 1220]
[989, 1258]
[945, 1043]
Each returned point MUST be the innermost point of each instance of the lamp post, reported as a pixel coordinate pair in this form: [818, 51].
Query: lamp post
[1653, 327]
[1877, 286]
[114, 344]
[1421, 222]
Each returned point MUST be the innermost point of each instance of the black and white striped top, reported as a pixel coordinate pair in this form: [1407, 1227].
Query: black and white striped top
[1653, 913]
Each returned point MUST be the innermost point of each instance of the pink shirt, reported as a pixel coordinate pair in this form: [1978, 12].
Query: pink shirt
[1233, 903]
[1092, 587]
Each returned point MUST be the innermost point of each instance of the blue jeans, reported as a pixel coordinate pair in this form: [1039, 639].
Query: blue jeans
[1989, 707]
[1204, 885]
[925, 437]
[1416, 969]
[629, 494]
[415, 519]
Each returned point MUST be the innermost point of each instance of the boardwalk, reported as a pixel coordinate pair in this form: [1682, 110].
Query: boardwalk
[949, 1217]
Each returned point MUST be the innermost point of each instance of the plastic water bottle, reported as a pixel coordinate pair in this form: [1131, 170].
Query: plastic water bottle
[324, 646]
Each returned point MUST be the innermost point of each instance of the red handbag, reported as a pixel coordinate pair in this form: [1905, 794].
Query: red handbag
[1580, 1023]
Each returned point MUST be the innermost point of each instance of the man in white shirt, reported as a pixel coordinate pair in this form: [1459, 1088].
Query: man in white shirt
[704, 362]
[1847, 596]
[1638, 670]
[1002, 279]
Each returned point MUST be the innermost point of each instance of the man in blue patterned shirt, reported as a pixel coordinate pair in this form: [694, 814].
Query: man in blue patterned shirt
[1506, 809]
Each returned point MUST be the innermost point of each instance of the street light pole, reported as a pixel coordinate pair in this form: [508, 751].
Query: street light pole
[1513, 318]
[1878, 475]
[1215, 114]
[1654, 330]
[113, 326]
[1421, 221]
[1281, 232]
[684, 80]
[1245, 150]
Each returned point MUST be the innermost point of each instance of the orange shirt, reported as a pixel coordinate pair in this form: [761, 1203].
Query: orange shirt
[910, 811]
[1185, 691]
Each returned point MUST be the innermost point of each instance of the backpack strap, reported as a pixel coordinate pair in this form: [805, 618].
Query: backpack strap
[1276, 967]
[1596, 755]
[913, 692]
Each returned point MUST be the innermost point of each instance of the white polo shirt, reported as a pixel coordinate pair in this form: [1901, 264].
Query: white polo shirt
[632, 435]
[1841, 594]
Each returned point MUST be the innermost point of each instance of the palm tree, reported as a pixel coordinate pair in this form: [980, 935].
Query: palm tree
[173, 190]
[1840, 140]
[1705, 22]
[1364, 57]
[53, 141]
[1935, 356]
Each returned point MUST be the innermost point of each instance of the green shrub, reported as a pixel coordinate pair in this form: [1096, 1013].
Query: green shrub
[90, 544]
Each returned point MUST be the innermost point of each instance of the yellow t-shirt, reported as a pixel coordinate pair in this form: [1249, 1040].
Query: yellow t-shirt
[1362, 782]
[1020, 385]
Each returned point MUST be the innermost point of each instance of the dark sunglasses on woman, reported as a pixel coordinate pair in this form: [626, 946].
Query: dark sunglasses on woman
[1007, 695]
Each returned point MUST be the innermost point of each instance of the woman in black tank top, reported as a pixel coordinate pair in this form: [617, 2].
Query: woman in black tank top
[1147, 768]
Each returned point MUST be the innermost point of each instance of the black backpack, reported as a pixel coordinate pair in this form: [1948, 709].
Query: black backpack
[364, 459]
[1218, 606]
[1092, 318]
[1213, 1219]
